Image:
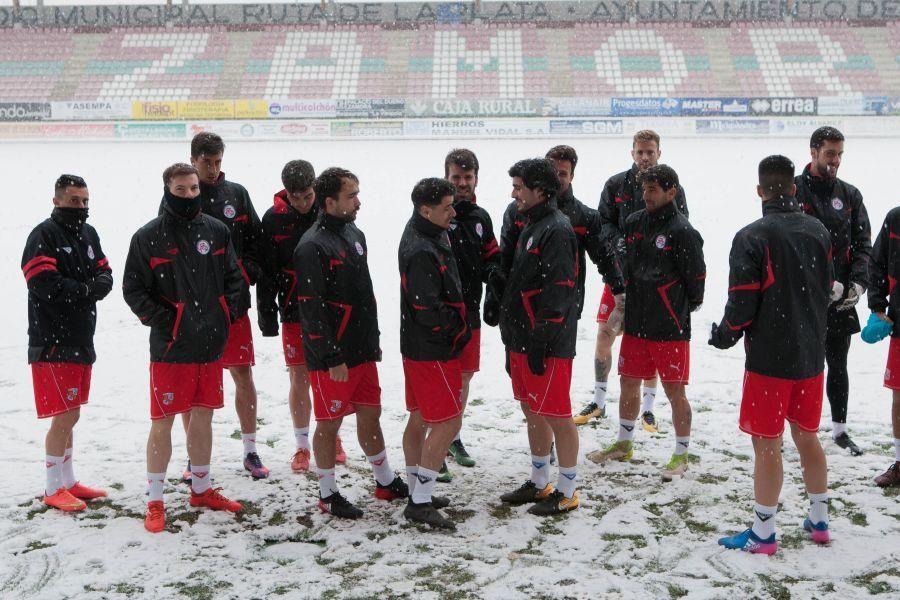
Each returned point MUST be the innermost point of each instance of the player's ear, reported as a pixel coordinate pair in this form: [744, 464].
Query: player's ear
[759, 191]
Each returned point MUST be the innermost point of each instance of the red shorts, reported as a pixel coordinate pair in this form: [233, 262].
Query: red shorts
[892, 370]
[433, 387]
[239, 348]
[179, 387]
[59, 387]
[643, 359]
[768, 401]
[292, 342]
[607, 304]
[470, 357]
[548, 394]
[335, 400]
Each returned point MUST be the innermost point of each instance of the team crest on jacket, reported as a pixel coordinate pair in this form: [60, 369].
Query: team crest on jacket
[479, 229]
[660, 241]
[837, 203]
[359, 249]
[530, 242]
[229, 211]
[68, 249]
[90, 252]
[203, 247]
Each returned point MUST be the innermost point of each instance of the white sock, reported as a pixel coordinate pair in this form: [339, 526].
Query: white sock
[897, 449]
[837, 429]
[68, 470]
[381, 468]
[200, 478]
[567, 480]
[647, 399]
[818, 508]
[540, 471]
[764, 520]
[626, 430]
[600, 394]
[682, 443]
[327, 484]
[54, 474]
[249, 440]
[426, 479]
[301, 436]
[411, 480]
[155, 484]
[456, 439]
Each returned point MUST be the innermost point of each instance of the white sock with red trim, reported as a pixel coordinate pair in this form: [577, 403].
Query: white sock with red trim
[425, 486]
[301, 437]
[200, 478]
[381, 468]
[155, 484]
[327, 484]
[54, 474]
[249, 440]
[68, 470]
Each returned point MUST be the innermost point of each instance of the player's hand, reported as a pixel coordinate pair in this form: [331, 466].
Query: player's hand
[491, 312]
[620, 301]
[100, 286]
[536, 355]
[853, 296]
[497, 284]
[615, 321]
[884, 317]
[340, 373]
[837, 290]
[268, 325]
[715, 340]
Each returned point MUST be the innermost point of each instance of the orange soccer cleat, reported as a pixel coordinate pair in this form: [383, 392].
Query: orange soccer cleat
[300, 462]
[155, 520]
[86, 493]
[211, 498]
[64, 501]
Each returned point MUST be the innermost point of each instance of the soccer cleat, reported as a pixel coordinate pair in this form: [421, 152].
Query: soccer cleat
[187, 476]
[750, 542]
[428, 515]
[337, 505]
[621, 450]
[64, 501]
[460, 455]
[340, 456]
[678, 464]
[648, 422]
[395, 489]
[86, 493]
[212, 499]
[444, 475]
[844, 441]
[525, 493]
[590, 411]
[817, 531]
[300, 462]
[255, 466]
[889, 478]
[155, 519]
[554, 504]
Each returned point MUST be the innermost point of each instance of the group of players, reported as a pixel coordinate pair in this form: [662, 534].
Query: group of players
[794, 283]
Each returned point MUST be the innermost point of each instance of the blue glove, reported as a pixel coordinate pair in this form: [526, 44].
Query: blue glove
[876, 330]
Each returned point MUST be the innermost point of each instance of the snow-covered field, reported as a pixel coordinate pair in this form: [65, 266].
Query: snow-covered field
[632, 537]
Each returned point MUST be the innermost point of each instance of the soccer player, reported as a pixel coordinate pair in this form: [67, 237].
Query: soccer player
[622, 195]
[294, 211]
[339, 321]
[779, 289]
[434, 330]
[664, 273]
[538, 325]
[839, 206]
[884, 303]
[477, 257]
[67, 274]
[182, 279]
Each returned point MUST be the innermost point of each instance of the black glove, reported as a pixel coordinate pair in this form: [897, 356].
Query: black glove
[491, 313]
[496, 284]
[506, 364]
[268, 324]
[715, 339]
[100, 286]
[694, 307]
[536, 353]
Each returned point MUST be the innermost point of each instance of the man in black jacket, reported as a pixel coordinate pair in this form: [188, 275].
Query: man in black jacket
[67, 274]
[183, 281]
[434, 330]
[664, 273]
[339, 321]
[779, 289]
[538, 325]
[621, 197]
[839, 206]
[477, 257]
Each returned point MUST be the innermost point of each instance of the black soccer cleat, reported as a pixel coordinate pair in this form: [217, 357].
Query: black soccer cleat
[525, 493]
[395, 489]
[554, 504]
[427, 514]
[846, 443]
[337, 505]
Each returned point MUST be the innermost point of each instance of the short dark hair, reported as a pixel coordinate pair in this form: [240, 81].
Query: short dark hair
[663, 175]
[537, 173]
[329, 182]
[297, 175]
[776, 176]
[64, 181]
[825, 134]
[207, 142]
[431, 191]
[177, 170]
[563, 152]
[463, 158]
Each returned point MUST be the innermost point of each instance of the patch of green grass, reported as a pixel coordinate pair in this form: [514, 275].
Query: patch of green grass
[38, 545]
[567, 582]
[653, 508]
[117, 486]
[476, 402]
[236, 434]
[37, 510]
[188, 516]
[826, 587]
[637, 540]
[774, 589]
[260, 421]
[376, 536]
[676, 591]
[533, 546]
[712, 479]
[867, 580]
[277, 519]
[859, 518]
[201, 590]
[459, 514]
[792, 540]
[734, 455]
[548, 527]
[247, 514]
[698, 527]
[270, 442]
[129, 590]
[501, 511]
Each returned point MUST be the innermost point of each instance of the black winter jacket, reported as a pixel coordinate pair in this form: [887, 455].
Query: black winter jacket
[276, 290]
[779, 290]
[182, 280]
[664, 274]
[58, 263]
[885, 270]
[539, 306]
[477, 254]
[337, 306]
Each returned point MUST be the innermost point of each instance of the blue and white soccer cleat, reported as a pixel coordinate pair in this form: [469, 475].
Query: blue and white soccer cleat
[750, 542]
[817, 531]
